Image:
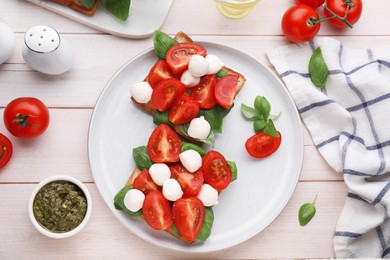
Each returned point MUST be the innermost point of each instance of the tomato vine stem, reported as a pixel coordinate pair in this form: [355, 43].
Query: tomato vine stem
[344, 19]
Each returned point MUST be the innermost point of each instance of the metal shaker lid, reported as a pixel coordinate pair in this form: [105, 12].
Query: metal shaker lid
[42, 39]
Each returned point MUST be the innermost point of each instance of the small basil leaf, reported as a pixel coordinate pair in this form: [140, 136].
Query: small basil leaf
[207, 225]
[250, 113]
[190, 146]
[270, 129]
[233, 168]
[161, 118]
[215, 116]
[141, 157]
[87, 3]
[263, 106]
[119, 202]
[162, 42]
[119, 8]
[307, 212]
[222, 73]
[259, 125]
[318, 69]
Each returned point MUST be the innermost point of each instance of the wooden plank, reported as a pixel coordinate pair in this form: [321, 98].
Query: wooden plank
[105, 237]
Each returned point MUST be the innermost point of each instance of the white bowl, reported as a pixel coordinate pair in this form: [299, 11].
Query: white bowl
[72, 232]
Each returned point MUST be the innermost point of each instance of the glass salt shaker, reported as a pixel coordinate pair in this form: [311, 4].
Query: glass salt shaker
[46, 51]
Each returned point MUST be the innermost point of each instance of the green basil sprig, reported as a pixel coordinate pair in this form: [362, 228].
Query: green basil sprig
[307, 212]
[233, 168]
[161, 118]
[119, 8]
[119, 202]
[141, 158]
[162, 42]
[318, 69]
[207, 225]
[190, 146]
[215, 117]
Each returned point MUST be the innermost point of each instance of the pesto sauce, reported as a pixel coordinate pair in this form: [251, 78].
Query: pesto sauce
[60, 206]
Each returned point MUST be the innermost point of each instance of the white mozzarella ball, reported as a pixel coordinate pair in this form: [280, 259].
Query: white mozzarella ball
[198, 65]
[199, 128]
[141, 92]
[189, 80]
[208, 195]
[191, 160]
[160, 172]
[215, 64]
[172, 190]
[134, 199]
[7, 42]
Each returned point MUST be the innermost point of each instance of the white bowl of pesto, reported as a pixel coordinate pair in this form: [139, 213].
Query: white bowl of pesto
[60, 206]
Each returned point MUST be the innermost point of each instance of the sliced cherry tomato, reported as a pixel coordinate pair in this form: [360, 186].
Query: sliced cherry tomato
[339, 7]
[178, 56]
[189, 182]
[225, 90]
[156, 211]
[166, 92]
[188, 217]
[216, 170]
[204, 92]
[145, 183]
[159, 71]
[313, 3]
[164, 145]
[261, 145]
[6, 150]
[183, 110]
[26, 117]
[300, 23]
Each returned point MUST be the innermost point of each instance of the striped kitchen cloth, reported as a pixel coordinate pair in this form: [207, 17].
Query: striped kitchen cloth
[349, 121]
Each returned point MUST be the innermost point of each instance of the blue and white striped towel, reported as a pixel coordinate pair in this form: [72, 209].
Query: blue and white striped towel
[349, 121]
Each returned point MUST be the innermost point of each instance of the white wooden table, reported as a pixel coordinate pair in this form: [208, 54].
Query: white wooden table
[71, 98]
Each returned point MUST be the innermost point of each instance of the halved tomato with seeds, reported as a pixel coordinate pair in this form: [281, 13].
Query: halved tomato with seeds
[216, 170]
[179, 55]
[156, 211]
[164, 145]
[203, 93]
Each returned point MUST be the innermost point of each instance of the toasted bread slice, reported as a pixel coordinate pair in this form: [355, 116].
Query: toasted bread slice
[78, 6]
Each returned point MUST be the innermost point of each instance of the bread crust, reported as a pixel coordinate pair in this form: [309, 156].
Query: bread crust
[78, 6]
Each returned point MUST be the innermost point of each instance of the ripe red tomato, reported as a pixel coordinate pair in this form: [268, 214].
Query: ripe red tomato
[166, 92]
[156, 211]
[204, 92]
[164, 145]
[225, 90]
[216, 170]
[261, 145]
[188, 217]
[339, 7]
[183, 110]
[158, 72]
[145, 183]
[313, 3]
[178, 56]
[300, 23]
[26, 117]
[6, 150]
[189, 182]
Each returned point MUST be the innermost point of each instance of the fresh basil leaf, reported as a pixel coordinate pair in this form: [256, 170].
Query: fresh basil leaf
[222, 73]
[174, 229]
[215, 117]
[87, 3]
[307, 212]
[161, 118]
[207, 225]
[119, 8]
[233, 167]
[270, 129]
[162, 42]
[119, 202]
[259, 125]
[190, 146]
[318, 69]
[263, 106]
[250, 113]
[141, 158]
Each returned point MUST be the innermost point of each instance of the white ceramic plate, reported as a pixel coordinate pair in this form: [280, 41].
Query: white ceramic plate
[251, 202]
[145, 17]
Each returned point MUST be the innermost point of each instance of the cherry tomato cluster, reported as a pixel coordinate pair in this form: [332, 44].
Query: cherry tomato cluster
[301, 22]
[24, 117]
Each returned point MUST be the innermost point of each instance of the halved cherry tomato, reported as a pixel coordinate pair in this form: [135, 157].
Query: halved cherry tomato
[166, 92]
[183, 110]
[313, 3]
[216, 170]
[156, 211]
[159, 71]
[225, 90]
[178, 56]
[145, 183]
[164, 145]
[339, 7]
[6, 150]
[203, 93]
[188, 217]
[261, 145]
[189, 182]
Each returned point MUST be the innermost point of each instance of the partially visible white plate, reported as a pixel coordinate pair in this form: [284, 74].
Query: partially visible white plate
[250, 203]
[145, 17]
